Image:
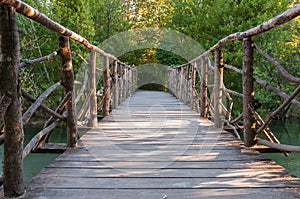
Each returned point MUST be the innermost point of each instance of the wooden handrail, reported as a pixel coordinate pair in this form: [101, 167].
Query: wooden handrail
[175, 72]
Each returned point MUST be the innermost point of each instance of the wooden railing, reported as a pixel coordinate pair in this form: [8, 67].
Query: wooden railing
[208, 99]
[80, 107]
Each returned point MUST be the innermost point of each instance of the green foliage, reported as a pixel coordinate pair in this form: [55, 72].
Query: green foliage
[206, 21]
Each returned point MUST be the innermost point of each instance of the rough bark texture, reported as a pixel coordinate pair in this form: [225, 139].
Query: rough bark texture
[27, 115]
[248, 93]
[35, 15]
[116, 84]
[281, 147]
[106, 75]
[68, 84]
[284, 72]
[278, 92]
[203, 89]
[93, 97]
[264, 27]
[218, 84]
[42, 106]
[11, 88]
[38, 60]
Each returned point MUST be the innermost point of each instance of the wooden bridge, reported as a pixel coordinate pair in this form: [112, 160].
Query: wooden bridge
[151, 145]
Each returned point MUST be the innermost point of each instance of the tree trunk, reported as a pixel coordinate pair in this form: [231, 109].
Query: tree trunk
[10, 87]
[67, 80]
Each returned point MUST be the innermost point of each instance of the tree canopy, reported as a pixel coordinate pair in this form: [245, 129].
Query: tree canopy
[205, 21]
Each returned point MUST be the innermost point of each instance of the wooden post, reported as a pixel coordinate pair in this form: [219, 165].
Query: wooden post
[106, 76]
[181, 83]
[193, 91]
[203, 89]
[132, 79]
[218, 84]
[93, 90]
[67, 80]
[116, 84]
[129, 82]
[248, 93]
[10, 88]
[122, 74]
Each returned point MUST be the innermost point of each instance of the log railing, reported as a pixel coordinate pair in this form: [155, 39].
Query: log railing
[207, 97]
[76, 107]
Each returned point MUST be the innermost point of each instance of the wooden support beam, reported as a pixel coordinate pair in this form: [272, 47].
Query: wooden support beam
[10, 87]
[106, 96]
[203, 89]
[93, 90]
[27, 115]
[248, 93]
[281, 147]
[42, 106]
[116, 84]
[194, 97]
[218, 88]
[67, 81]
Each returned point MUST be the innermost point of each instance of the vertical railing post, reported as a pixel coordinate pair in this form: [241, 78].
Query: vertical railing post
[116, 84]
[129, 82]
[193, 91]
[10, 88]
[218, 84]
[132, 79]
[106, 76]
[67, 80]
[93, 90]
[181, 83]
[203, 88]
[248, 92]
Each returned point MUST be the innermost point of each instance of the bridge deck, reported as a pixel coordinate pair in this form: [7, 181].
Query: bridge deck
[153, 146]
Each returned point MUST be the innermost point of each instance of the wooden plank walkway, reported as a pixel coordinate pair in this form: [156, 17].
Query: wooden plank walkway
[154, 147]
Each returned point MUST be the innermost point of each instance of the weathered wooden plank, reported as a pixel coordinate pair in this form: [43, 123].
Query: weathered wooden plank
[95, 164]
[164, 193]
[138, 153]
[55, 182]
[163, 173]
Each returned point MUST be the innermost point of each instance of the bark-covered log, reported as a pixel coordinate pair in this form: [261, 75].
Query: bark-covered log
[203, 88]
[35, 15]
[93, 90]
[27, 115]
[115, 84]
[35, 140]
[226, 90]
[106, 96]
[218, 84]
[284, 73]
[281, 147]
[280, 108]
[265, 26]
[248, 93]
[38, 60]
[10, 87]
[43, 106]
[278, 92]
[67, 80]
[4, 104]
